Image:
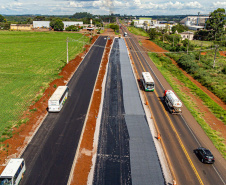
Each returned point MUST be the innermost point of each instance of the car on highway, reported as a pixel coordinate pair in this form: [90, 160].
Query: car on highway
[204, 155]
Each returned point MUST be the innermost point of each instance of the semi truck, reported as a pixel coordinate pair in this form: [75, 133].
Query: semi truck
[173, 103]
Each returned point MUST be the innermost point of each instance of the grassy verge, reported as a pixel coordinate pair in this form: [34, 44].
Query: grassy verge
[29, 61]
[138, 31]
[170, 72]
[202, 43]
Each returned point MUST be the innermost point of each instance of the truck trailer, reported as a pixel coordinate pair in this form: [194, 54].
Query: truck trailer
[173, 103]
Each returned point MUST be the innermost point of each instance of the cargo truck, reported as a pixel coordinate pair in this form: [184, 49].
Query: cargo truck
[173, 103]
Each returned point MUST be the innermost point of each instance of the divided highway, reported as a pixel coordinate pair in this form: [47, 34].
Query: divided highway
[178, 138]
[50, 154]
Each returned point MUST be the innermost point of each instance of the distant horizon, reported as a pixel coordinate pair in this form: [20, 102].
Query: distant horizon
[103, 15]
[106, 7]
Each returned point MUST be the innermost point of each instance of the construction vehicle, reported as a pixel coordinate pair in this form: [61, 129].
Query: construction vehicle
[173, 103]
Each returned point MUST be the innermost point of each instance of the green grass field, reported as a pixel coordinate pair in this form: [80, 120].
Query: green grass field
[29, 61]
[202, 43]
[138, 31]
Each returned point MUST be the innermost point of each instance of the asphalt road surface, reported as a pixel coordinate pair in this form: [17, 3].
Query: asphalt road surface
[126, 152]
[180, 134]
[50, 154]
[113, 158]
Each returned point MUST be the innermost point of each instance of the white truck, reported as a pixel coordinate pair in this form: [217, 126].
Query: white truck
[173, 103]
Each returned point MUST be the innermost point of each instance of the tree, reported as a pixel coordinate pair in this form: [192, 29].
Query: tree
[180, 28]
[80, 15]
[216, 23]
[57, 25]
[114, 27]
[2, 19]
[29, 20]
[39, 18]
[153, 34]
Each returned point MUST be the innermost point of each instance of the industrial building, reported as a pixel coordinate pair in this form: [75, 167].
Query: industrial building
[195, 22]
[46, 24]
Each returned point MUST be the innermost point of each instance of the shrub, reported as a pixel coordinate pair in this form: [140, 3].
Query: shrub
[224, 70]
[72, 28]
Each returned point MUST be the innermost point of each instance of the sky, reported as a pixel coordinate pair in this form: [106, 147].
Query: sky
[106, 7]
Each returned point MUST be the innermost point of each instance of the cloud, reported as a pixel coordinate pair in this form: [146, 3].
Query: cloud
[168, 5]
[193, 5]
[103, 7]
[75, 4]
[219, 4]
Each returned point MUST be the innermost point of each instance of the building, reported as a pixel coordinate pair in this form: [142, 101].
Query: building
[72, 23]
[46, 24]
[41, 24]
[147, 23]
[195, 22]
[21, 27]
[187, 35]
[141, 22]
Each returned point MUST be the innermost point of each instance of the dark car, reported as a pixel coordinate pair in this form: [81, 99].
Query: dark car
[205, 155]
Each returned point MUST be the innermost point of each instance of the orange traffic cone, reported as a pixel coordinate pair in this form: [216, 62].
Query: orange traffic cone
[174, 182]
[159, 136]
[146, 103]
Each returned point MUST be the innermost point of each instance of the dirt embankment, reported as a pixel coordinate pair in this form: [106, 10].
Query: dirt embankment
[22, 135]
[87, 150]
[152, 47]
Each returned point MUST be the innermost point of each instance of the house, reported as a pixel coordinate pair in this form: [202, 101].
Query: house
[21, 27]
[187, 35]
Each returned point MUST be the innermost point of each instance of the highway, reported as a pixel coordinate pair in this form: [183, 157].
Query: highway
[178, 138]
[50, 154]
[126, 152]
[178, 132]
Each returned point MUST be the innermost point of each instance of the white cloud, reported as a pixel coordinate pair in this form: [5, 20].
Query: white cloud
[129, 7]
[75, 4]
[137, 2]
[219, 4]
[193, 5]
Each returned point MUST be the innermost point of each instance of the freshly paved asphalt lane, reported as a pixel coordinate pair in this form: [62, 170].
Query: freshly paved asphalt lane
[126, 152]
[113, 160]
[49, 156]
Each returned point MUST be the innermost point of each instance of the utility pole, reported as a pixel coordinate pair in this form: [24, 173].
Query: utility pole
[215, 56]
[187, 46]
[200, 52]
[67, 50]
[173, 41]
[188, 42]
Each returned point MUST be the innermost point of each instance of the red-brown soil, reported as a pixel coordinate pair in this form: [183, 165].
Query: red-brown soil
[22, 134]
[215, 123]
[203, 53]
[86, 150]
[222, 53]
